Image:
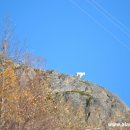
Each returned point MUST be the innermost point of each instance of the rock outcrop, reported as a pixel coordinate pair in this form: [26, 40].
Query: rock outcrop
[100, 106]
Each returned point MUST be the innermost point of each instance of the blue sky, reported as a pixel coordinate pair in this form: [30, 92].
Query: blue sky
[92, 36]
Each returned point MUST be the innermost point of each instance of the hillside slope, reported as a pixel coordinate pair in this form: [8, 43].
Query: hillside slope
[66, 103]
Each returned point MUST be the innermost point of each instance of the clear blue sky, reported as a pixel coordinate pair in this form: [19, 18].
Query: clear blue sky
[92, 36]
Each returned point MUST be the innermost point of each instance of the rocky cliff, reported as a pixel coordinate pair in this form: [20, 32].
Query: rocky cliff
[100, 106]
[75, 104]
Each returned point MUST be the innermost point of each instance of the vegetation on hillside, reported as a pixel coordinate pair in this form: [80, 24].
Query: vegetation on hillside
[26, 100]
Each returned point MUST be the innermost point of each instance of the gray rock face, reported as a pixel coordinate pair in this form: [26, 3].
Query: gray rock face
[100, 106]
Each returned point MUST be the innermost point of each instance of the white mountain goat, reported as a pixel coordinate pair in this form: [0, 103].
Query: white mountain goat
[80, 74]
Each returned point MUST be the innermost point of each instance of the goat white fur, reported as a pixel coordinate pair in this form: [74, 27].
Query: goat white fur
[80, 74]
